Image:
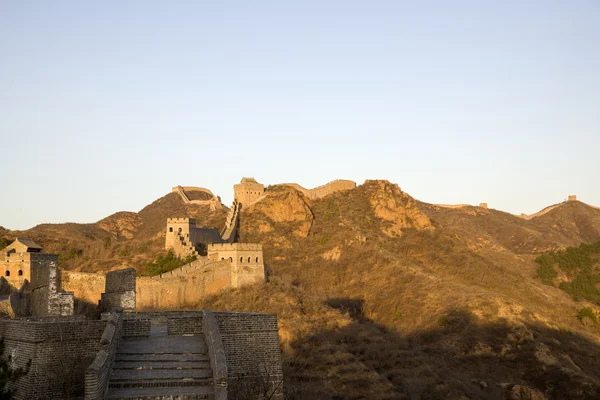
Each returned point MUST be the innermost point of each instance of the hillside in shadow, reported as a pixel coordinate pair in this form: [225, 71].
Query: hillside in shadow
[459, 358]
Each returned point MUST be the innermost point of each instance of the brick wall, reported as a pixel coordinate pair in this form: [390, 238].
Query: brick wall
[183, 325]
[136, 327]
[98, 373]
[120, 291]
[216, 352]
[252, 349]
[60, 350]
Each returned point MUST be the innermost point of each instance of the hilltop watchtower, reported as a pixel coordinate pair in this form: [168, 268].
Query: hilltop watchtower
[248, 190]
[572, 197]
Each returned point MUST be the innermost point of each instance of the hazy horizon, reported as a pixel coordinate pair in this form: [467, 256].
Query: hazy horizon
[106, 106]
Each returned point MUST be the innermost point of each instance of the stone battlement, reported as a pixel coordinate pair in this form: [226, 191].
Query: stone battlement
[235, 246]
[180, 220]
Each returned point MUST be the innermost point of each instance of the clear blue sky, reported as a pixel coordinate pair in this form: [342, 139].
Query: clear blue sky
[104, 106]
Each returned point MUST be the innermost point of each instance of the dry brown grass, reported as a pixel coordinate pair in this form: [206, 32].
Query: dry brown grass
[443, 313]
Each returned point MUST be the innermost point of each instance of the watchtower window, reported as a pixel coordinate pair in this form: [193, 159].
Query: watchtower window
[7, 273]
[230, 258]
[222, 258]
[248, 259]
[241, 259]
[179, 230]
[20, 273]
[171, 229]
[256, 259]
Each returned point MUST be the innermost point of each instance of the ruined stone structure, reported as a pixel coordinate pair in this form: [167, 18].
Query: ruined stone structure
[47, 296]
[572, 197]
[119, 292]
[174, 354]
[198, 196]
[483, 205]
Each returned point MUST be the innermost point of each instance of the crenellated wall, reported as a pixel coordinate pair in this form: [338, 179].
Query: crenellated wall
[178, 291]
[182, 287]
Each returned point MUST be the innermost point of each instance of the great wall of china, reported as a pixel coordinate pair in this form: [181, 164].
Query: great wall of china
[545, 210]
[210, 199]
[250, 192]
[221, 263]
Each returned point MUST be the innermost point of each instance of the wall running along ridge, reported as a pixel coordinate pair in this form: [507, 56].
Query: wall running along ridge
[214, 202]
[180, 288]
[249, 197]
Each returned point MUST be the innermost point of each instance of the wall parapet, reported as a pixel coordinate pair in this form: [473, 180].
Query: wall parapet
[50, 343]
[252, 350]
[185, 269]
[235, 246]
[181, 220]
[216, 352]
[98, 373]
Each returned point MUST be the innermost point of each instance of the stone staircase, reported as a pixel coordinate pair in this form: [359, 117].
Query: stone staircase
[161, 367]
[231, 224]
[187, 246]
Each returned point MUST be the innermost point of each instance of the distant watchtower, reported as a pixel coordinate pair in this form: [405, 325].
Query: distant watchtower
[572, 197]
[247, 191]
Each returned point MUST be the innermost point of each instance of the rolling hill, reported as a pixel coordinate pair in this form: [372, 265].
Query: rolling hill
[380, 296]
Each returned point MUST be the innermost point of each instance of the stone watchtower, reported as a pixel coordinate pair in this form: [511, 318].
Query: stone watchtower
[180, 236]
[247, 191]
[247, 264]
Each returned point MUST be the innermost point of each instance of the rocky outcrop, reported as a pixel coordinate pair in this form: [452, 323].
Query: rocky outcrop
[397, 209]
[285, 204]
[519, 392]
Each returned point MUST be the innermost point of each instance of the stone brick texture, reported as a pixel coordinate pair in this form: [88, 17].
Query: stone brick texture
[252, 348]
[60, 349]
[98, 373]
[119, 291]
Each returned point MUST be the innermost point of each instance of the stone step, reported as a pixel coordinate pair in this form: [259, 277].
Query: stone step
[158, 374]
[162, 357]
[164, 345]
[160, 364]
[160, 393]
[188, 382]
